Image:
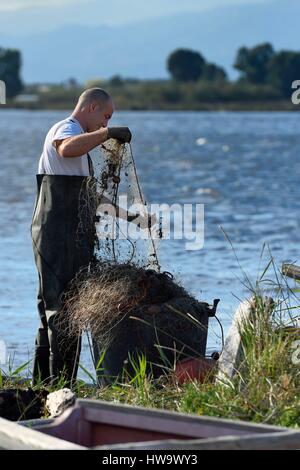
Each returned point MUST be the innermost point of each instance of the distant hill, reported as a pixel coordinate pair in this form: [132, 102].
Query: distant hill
[140, 49]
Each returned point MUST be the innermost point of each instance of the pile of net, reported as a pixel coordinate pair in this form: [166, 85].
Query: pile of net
[131, 310]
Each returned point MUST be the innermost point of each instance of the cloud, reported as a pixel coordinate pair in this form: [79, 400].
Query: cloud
[35, 16]
[15, 5]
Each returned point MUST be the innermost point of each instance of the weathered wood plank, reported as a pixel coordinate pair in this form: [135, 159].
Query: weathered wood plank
[16, 437]
[286, 440]
[101, 411]
[232, 354]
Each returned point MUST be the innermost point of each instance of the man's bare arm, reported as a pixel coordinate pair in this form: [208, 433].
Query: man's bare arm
[79, 145]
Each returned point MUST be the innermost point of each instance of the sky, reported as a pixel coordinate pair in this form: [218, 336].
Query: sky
[116, 11]
[120, 31]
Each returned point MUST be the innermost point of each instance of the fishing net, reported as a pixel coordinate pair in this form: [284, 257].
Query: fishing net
[115, 184]
[131, 311]
[102, 295]
[122, 298]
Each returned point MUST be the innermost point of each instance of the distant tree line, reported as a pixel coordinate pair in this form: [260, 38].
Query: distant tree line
[186, 65]
[264, 73]
[259, 65]
[262, 65]
[10, 68]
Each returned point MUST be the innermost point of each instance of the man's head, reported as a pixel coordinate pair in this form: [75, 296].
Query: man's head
[94, 109]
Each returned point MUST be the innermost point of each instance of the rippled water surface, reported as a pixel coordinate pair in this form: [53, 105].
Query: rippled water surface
[243, 166]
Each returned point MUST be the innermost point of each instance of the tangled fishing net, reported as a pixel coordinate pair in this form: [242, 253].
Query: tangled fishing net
[103, 295]
[115, 182]
[122, 298]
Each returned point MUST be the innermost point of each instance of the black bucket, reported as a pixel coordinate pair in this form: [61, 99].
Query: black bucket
[164, 333]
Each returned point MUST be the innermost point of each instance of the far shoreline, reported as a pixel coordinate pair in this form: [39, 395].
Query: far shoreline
[283, 106]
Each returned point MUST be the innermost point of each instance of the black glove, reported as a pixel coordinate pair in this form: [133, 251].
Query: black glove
[122, 134]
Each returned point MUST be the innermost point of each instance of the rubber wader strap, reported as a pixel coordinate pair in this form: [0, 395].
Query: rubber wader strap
[91, 166]
[90, 161]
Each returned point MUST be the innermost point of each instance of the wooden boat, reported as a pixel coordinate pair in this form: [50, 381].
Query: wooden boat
[92, 424]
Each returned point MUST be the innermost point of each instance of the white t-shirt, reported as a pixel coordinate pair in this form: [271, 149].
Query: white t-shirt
[51, 163]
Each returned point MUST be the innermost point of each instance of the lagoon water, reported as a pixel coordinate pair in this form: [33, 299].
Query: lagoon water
[244, 168]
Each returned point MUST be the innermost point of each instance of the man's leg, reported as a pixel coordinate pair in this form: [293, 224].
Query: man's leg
[41, 371]
[64, 349]
[59, 255]
[57, 353]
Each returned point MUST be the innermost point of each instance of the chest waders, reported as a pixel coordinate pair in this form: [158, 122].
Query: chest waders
[59, 254]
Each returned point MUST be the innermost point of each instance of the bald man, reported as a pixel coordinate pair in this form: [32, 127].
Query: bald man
[68, 142]
[65, 168]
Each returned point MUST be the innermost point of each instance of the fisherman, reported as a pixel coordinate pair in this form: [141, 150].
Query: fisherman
[64, 166]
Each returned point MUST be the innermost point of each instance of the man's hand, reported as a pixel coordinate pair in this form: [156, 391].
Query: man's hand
[122, 134]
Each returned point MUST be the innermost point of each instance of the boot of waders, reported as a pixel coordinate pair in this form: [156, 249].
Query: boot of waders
[64, 352]
[41, 370]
